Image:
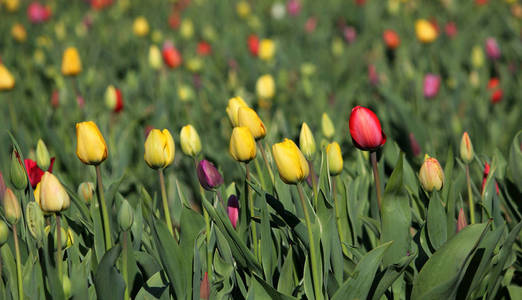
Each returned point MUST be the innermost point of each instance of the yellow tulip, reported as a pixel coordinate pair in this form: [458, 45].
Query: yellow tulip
[431, 175]
[242, 144]
[265, 87]
[477, 56]
[466, 148]
[159, 149]
[12, 210]
[327, 126]
[232, 109]
[426, 32]
[248, 117]
[243, 9]
[71, 63]
[12, 5]
[140, 26]
[190, 142]
[266, 49]
[307, 141]
[186, 29]
[53, 197]
[18, 32]
[155, 60]
[7, 80]
[335, 158]
[91, 148]
[291, 163]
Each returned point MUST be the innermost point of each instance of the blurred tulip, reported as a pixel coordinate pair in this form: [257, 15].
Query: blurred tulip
[155, 57]
[242, 145]
[209, 177]
[185, 93]
[293, 7]
[278, 10]
[12, 211]
[337, 47]
[426, 32]
[100, 4]
[17, 172]
[431, 85]
[86, 191]
[431, 175]
[248, 117]
[266, 49]
[485, 178]
[91, 148]
[204, 288]
[34, 172]
[43, 159]
[492, 48]
[477, 57]
[290, 161]
[265, 87]
[71, 63]
[159, 149]
[243, 9]
[53, 197]
[311, 24]
[11, 5]
[373, 76]
[350, 34]
[451, 29]
[461, 220]
[174, 20]
[113, 99]
[253, 44]
[7, 80]
[495, 90]
[335, 158]
[204, 48]
[307, 142]
[233, 108]
[327, 126]
[4, 233]
[466, 148]
[38, 13]
[186, 29]
[415, 148]
[365, 129]
[189, 140]
[391, 39]
[18, 33]
[140, 27]
[125, 216]
[171, 55]
[233, 210]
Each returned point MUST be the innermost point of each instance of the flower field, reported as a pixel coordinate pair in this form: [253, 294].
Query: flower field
[279, 149]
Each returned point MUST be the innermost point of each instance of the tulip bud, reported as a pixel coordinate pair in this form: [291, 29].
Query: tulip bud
[171, 55]
[266, 49]
[461, 220]
[18, 33]
[190, 142]
[431, 85]
[42, 156]
[492, 49]
[496, 91]
[4, 233]
[426, 32]
[248, 117]
[278, 10]
[66, 285]
[291, 163]
[86, 191]
[327, 126]
[306, 141]
[12, 5]
[155, 59]
[466, 148]
[431, 175]
[91, 148]
[253, 44]
[365, 129]
[485, 179]
[243, 9]
[242, 145]
[204, 288]
[209, 177]
[391, 39]
[7, 80]
[71, 63]
[113, 99]
[12, 211]
[159, 149]
[53, 197]
[265, 87]
[232, 109]
[233, 210]
[35, 220]
[125, 216]
[477, 57]
[17, 174]
[414, 145]
[140, 26]
[335, 158]
[350, 34]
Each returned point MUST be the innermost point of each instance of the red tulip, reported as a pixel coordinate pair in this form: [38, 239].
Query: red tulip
[496, 91]
[174, 20]
[38, 13]
[365, 129]
[55, 99]
[451, 29]
[34, 172]
[204, 288]
[204, 48]
[100, 4]
[391, 39]
[253, 44]
[233, 210]
[310, 24]
[171, 55]
[485, 177]
[119, 101]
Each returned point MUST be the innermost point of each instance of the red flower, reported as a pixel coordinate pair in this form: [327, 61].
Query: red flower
[204, 48]
[174, 20]
[485, 177]
[34, 172]
[100, 4]
[253, 44]
[310, 24]
[119, 101]
[365, 129]
[451, 29]
[391, 39]
[171, 56]
[38, 13]
[496, 91]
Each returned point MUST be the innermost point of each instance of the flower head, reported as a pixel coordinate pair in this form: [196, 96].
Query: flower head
[365, 129]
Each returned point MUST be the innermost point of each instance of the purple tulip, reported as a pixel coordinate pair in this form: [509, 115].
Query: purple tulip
[293, 7]
[350, 34]
[431, 85]
[492, 49]
[233, 210]
[208, 175]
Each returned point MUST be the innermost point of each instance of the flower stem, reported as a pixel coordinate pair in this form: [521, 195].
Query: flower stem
[314, 183]
[263, 154]
[105, 213]
[470, 197]
[373, 156]
[59, 246]
[18, 265]
[124, 265]
[166, 209]
[340, 229]
[313, 263]
[252, 212]
[260, 174]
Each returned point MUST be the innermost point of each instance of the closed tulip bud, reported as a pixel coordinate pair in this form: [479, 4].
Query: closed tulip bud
[7, 81]
[253, 44]
[190, 142]
[35, 220]
[242, 145]
[431, 85]
[140, 26]
[365, 129]
[113, 99]
[186, 29]
[42, 156]
[243, 9]
[265, 87]
[53, 197]
[159, 149]
[335, 158]
[327, 126]
[155, 59]
[204, 288]
[86, 191]
[18, 33]
[4, 233]
[466, 148]
[461, 220]
[492, 49]
[233, 210]
[17, 172]
[71, 63]
[266, 49]
[431, 175]
[426, 32]
[232, 109]
[477, 57]
[12, 211]
[248, 117]
[91, 148]
[290, 161]
[70, 238]
[391, 39]
[12, 5]
[171, 55]
[209, 177]
[125, 216]
[307, 141]
[66, 285]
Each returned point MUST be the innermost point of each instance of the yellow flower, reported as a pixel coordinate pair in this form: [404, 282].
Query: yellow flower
[140, 26]
[265, 87]
[190, 142]
[307, 141]
[466, 148]
[12, 5]
[7, 80]
[12, 210]
[242, 144]
[232, 109]
[159, 149]
[291, 163]
[91, 148]
[335, 158]
[266, 49]
[155, 59]
[71, 63]
[18, 32]
[185, 93]
[426, 32]
[248, 117]
[431, 175]
[186, 29]
[85, 191]
[477, 56]
[243, 9]
[53, 197]
[327, 126]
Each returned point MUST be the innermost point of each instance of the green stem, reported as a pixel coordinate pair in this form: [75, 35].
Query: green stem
[340, 229]
[105, 213]
[314, 183]
[470, 197]
[313, 262]
[166, 209]
[260, 174]
[263, 154]
[18, 265]
[252, 211]
[373, 156]
[124, 265]
[59, 246]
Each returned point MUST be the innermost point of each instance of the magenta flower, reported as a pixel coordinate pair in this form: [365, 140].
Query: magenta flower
[208, 175]
[350, 34]
[492, 49]
[38, 13]
[233, 210]
[431, 85]
[293, 7]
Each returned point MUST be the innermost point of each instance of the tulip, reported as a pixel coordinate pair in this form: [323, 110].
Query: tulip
[4, 233]
[233, 210]
[496, 91]
[242, 145]
[461, 220]
[350, 34]
[204, 48]
[18, 33]
[466, 148]
[91, 148]
[204, 288]
[278, 10]
[477, 57]
[155, 57]
[53, 197]
[38, 13]
[492, 49]
[365, 129]
[12, 5]
[243, 9]
[293, 7]
[451, 29]
[186, 29]
[12, 211]
[431, 175]
[209, 177]
[159, 149]
[253, 44]
[266, 49]
[42, 156]
[290, 161]
[71, 63]
[233, 108]
[335, 158]
[7, 80]
[171, 55]
[391, 39]
[306, 141]
[415, 148]
[140, 27]
[190, 142]
[485, 178]
[248, 117]
[35, 220]
[426, 32]
[34, 172]
[113, 99]
[311, 24]
[265, 87]
[17, 172]
[431, 85]
[125, 216]
[86, 191]
[327, 126]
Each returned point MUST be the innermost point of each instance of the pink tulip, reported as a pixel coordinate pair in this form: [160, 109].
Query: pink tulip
[310, 24]
[209, 177]
[492, 49]
[365, 129]
[38, 13]
[293, 7]
[350, 34]
[431, 85]
[233, 210]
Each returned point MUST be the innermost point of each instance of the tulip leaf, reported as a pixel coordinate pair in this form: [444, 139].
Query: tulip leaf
[286, 283]
[108, 281]
[260, 289]
[436, 222]
[515, 161]
[390, 275]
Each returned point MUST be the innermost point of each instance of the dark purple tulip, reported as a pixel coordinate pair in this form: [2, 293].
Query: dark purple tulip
[233, 210]
[208, 175]
[431, 85]
[492, 49]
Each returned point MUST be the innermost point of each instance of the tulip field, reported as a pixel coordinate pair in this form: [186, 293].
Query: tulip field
[278, 149]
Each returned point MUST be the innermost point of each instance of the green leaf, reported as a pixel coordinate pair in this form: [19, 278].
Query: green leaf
[436, 222]
[515, 161]
[390, 275]
[262, 290]
[107, 280]
[286, 282]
